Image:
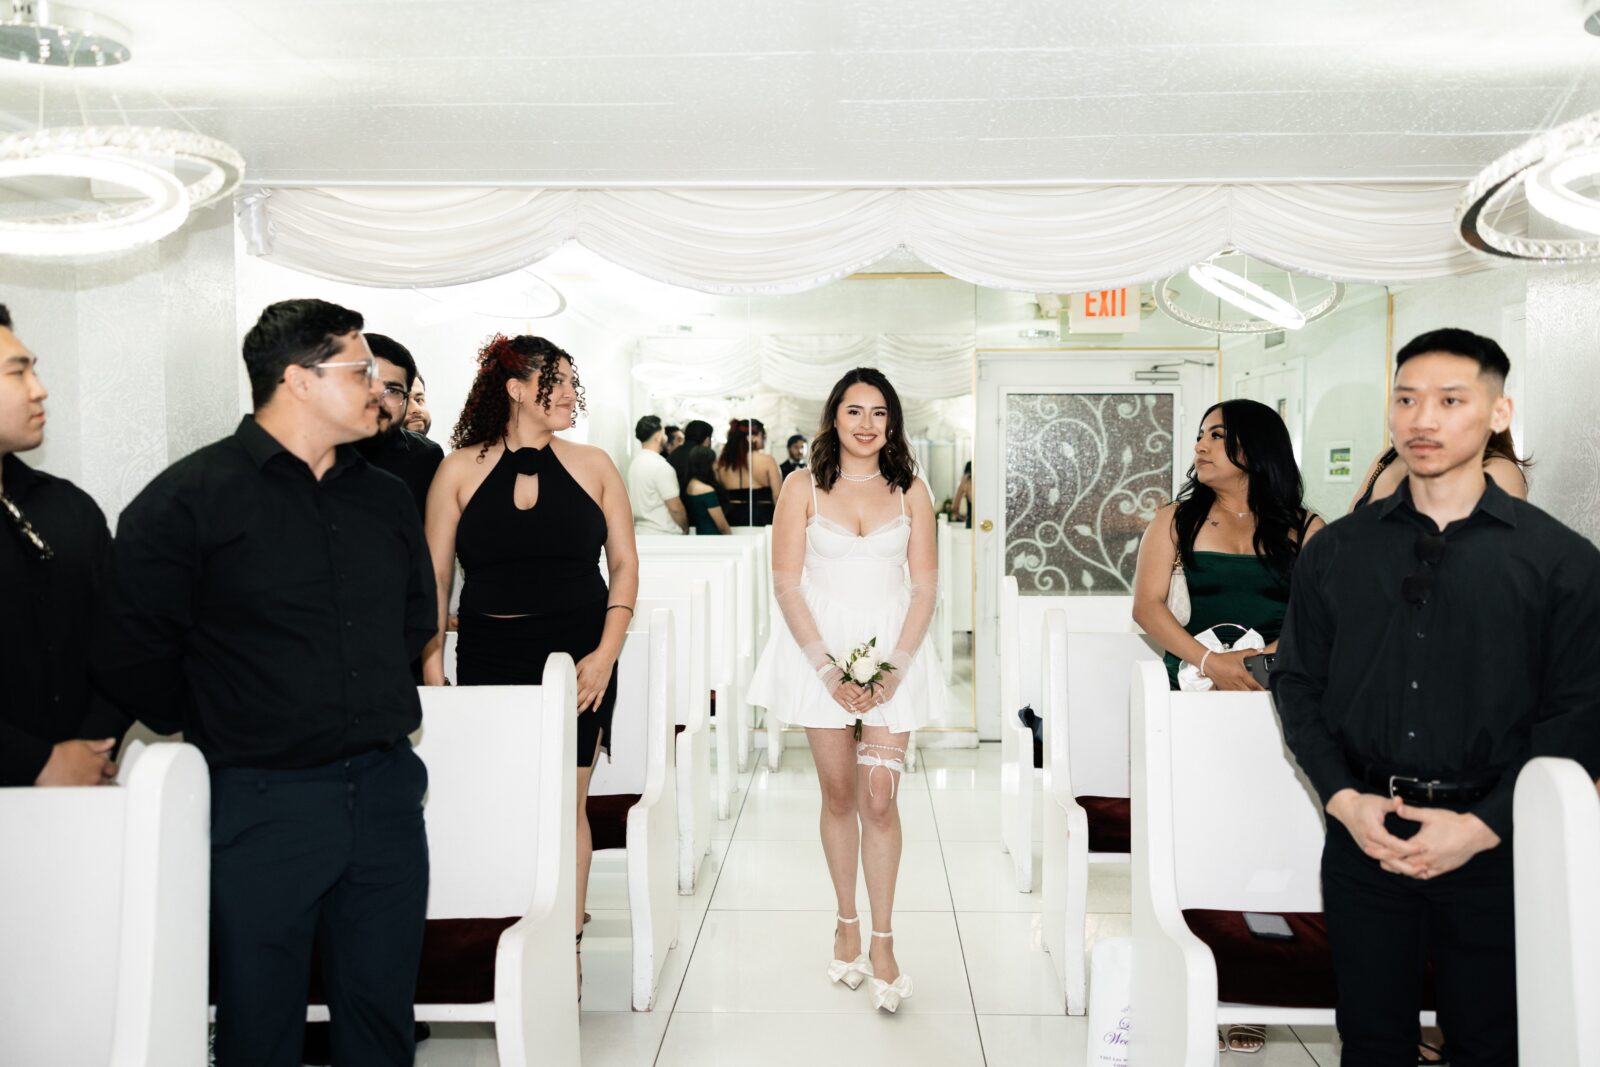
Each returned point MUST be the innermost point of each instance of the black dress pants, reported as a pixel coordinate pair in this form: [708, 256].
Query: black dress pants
[1381, 928]
[336, 855]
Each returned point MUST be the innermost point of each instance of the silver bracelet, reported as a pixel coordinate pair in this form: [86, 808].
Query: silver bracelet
[1203, 659]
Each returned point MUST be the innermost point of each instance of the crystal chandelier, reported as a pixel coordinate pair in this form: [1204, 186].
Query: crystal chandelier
[160, 175]
[1267, 310]
[1537, 178]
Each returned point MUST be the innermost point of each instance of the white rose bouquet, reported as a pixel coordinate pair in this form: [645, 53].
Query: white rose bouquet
[863, 667]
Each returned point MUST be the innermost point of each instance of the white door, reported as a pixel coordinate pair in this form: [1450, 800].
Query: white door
[1071, 455]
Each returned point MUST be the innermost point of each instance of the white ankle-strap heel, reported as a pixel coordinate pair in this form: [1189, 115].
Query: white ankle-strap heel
[850, 973]
[886, 996]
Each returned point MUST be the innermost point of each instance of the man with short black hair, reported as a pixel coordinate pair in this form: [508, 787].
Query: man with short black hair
[797, 456]
[418, 418]
[270, 591]
[407, 455]
[1434, 643]
[674, 439]
[653, 486]
[55, 551]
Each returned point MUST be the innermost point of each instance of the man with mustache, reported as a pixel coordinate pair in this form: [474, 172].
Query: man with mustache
[55, 551]
[1435, 642]
[418, 418]
[270, 591]
[404, 453]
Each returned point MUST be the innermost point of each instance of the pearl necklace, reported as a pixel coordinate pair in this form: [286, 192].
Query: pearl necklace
[859, 477]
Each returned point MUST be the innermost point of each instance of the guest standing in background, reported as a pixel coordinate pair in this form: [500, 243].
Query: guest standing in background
[673, 440]
[696, 434]
[404, 453]
[747, 476]
[529, 513]
[961, 505]
[705, 506]
[1435, 642]
[797, 456]
[269, 592]
[653, 485]
[55, 552]
[418, 418]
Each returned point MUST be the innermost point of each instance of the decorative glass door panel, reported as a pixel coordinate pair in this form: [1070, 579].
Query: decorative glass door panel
[1085, 473]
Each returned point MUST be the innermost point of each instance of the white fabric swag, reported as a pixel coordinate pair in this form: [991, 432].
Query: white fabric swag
[921, 366]
[1062, 239]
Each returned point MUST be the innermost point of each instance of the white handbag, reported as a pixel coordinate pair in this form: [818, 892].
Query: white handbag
[1190, 680]
[1178, 593]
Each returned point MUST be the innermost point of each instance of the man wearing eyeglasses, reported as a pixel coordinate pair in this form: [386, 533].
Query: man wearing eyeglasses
[270, 591]
[54, 553]
[1435, 642]
[407, 455]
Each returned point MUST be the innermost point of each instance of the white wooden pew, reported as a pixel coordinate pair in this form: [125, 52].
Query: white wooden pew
[1223, 823]
[104, 909]
[502, 829]
[1086, 656]
[722, 667]
[633, 801]
[688, 601]
[1017, 774]
[1556, 851]
[735, 715]
[944, 620]
[766, 607]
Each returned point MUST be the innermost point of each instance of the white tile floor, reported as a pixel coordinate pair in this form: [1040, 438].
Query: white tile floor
[746, 983]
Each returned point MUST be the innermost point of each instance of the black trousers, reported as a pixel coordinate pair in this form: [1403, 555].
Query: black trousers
[336, 855]
[1381, 928]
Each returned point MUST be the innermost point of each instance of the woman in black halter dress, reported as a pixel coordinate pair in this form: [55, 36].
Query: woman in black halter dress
[529, 514]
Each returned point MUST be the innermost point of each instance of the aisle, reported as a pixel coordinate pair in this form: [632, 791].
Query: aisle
[746, 983]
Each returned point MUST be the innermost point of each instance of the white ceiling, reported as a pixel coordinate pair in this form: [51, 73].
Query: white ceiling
[831, 91]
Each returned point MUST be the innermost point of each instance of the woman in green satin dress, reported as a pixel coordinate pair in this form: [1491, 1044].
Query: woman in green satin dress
[1236, 527]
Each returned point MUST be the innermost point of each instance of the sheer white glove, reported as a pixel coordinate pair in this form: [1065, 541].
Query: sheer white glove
[886, 688]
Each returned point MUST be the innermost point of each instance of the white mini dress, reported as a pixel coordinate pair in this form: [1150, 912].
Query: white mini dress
[857, 587]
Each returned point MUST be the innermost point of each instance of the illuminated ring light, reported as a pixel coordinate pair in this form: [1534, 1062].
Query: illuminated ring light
[1272, 311]
[220, 165]
[1490, 194]
[164, 207]
[1550, 193]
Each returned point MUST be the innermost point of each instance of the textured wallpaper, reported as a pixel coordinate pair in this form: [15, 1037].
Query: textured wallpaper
[1562, 384]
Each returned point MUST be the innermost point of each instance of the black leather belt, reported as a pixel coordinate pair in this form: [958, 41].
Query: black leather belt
[1424, 789]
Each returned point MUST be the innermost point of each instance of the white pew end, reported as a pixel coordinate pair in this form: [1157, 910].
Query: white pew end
[106, 899]
[1556, 851]
[502, 829]
[1017, 777]
[633, 804]
[1223, 823]
[687, 600]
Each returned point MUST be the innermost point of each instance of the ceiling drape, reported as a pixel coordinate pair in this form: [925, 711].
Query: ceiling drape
[1060, 239]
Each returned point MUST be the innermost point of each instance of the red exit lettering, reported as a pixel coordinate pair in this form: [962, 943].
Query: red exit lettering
[1106, 304]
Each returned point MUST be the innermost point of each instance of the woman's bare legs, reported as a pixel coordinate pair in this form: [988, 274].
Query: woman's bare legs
[877, 793]
[834, 753]
[585, 850]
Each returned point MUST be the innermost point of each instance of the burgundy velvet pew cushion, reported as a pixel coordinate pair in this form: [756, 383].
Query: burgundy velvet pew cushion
[608, 819]
[1109, 828]
[1289, 974]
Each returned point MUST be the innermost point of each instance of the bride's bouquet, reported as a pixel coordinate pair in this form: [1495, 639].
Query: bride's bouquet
[863, 667]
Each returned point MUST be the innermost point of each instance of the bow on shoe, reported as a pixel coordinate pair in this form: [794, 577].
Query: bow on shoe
[850, 972]
[887, 996]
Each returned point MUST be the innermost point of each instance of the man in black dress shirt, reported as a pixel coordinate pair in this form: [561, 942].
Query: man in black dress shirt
[270, 591]
[54, 553]
[407, 455]
[1435, 642]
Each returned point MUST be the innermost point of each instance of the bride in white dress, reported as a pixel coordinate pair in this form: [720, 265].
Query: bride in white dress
[854, 558]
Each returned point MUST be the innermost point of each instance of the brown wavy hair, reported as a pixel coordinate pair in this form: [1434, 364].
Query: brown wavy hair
[487, 412]
[895, 461]
[736, 450]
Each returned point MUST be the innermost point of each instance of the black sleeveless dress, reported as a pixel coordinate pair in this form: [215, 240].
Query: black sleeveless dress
[541, 565]
[746, 506]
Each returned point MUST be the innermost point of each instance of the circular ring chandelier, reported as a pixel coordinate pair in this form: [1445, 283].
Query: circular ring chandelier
[1543, 169]
[1269, 312]
[121, 156]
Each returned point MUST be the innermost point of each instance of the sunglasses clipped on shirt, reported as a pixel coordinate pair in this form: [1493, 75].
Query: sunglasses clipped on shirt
[25, 528]
[1418, 587]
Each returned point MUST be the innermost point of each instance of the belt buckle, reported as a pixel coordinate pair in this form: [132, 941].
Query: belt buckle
[1428, 785]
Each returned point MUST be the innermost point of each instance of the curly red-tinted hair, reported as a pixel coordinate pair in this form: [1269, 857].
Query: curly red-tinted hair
[736, 451]
[487, 412]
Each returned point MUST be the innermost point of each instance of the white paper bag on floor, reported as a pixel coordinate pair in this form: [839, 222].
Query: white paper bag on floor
[1110, 991]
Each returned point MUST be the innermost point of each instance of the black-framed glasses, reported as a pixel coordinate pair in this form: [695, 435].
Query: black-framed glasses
[395, 392]
[1418, 587]
[25, 528]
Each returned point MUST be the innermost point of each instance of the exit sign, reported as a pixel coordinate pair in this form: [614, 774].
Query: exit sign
[1104, 311]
